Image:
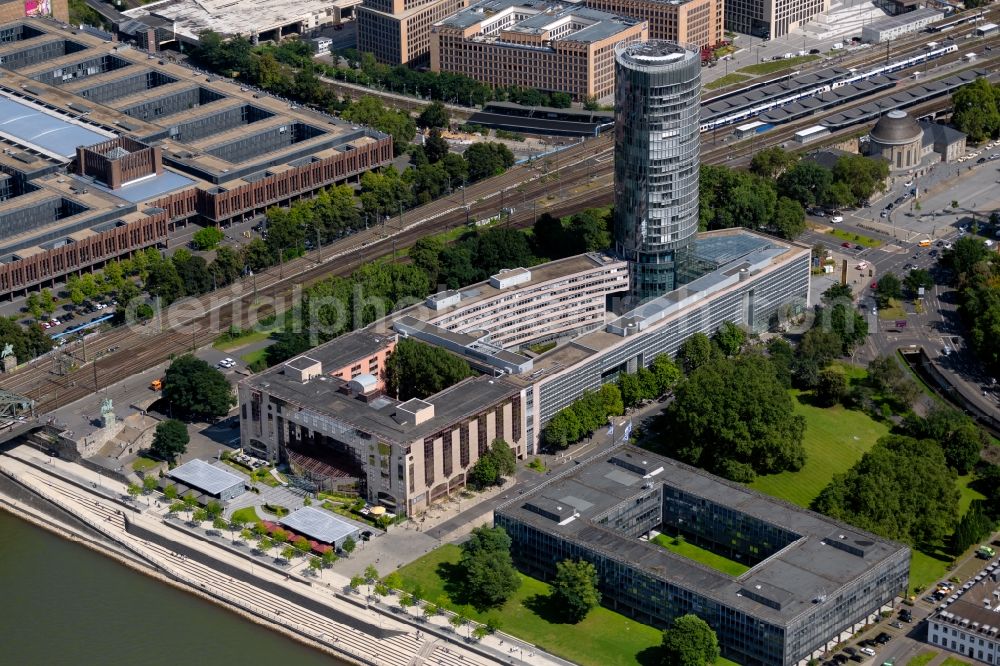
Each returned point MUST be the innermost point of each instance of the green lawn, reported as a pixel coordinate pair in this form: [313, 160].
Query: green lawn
[772, 66]
[142, 464]
[604, 638]
[922, 659]
[894, 311]
[225, 343]
[834, 440]
[254, 356]
[729, 79]
[858, 239]
[968, 494]
[247, 515]
[698, 554]
[952, 661]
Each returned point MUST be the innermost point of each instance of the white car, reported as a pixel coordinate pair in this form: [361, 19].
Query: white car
[837, 218]
[868, 651]
[908, 183]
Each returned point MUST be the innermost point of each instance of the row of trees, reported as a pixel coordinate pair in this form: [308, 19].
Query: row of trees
[363, 69]
[773, 195]
[975, 271]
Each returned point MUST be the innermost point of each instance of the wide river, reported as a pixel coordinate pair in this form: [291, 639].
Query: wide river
[65, 604]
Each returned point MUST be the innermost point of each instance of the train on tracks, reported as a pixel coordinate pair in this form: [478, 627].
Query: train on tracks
[755, 100]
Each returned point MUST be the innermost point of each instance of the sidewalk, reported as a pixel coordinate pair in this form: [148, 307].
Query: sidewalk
[436, 642]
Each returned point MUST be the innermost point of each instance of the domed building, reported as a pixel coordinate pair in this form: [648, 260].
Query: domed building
[899, 139]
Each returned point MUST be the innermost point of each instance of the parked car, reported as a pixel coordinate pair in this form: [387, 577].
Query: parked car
[837, 219]
[845, 244]
[868, 651]
[883, 638]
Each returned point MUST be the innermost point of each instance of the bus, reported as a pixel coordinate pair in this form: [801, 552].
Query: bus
[926, 242]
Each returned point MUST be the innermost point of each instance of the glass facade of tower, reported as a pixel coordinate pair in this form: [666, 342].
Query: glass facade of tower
[657, 149]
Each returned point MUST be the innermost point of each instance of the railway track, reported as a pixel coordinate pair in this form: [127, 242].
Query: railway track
[143, 347]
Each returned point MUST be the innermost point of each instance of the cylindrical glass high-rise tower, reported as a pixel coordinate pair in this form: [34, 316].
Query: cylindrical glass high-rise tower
[657, 147]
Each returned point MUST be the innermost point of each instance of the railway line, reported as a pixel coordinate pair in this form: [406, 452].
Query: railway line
[578, 167]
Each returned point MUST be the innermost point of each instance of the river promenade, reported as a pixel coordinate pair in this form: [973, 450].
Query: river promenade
[318, 611]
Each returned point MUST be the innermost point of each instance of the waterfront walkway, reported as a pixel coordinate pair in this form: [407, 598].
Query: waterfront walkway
[407, 640]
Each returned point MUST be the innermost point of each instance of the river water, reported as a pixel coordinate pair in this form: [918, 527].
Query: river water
[64, 604]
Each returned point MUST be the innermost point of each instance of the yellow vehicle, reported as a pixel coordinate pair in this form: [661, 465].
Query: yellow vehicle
[156, 384]
[925, 243]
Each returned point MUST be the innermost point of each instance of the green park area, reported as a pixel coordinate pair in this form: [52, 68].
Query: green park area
[859, 239]
[922, 659]
[708, 558]
[952, 661]
[772, 66]
[728, 80]
[236, 338]
[603, 638]
[835, 439]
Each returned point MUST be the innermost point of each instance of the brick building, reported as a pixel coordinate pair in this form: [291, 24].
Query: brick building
[398, 32]
[695, 22]
[534, 44]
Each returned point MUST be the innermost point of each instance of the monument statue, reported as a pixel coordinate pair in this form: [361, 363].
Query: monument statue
[8, 350]
[107, 413]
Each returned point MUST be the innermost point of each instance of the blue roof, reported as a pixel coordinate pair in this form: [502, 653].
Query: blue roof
[36, 129]
[147, 188]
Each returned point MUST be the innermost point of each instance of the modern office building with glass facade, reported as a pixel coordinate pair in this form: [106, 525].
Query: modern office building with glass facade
[657, 149]
[811, 581]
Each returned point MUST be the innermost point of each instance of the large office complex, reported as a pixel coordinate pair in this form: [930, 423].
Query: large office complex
[810, 579]
[695, 22]
[771, 18]
[968, 622]
[534, 44]
[398, 32]
[104, 149]
[327, 413]
[657, 150]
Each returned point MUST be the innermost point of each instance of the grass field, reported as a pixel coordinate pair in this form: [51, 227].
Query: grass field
[894, 311]
[603, 638]
[247, 514]
[729, 79]
[698, 554]
[859, 239]
[922, 659]
[142, 464]
[225, 343]
[254, 356]
[772, 66]
[952, 661]
[835, 439]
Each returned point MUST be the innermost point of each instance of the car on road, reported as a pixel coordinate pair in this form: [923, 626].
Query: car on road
[837, 218]
[890, 206]
[845, 244]
[908, 183]
[884, 213]
[227, 363]
[874, 311]
[908, 267]
[981, 160]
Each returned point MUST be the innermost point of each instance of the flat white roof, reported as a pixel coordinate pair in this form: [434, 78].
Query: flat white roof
[749, 126]
[46, 131]
[206, 478]
[815, 129]
[318, 524]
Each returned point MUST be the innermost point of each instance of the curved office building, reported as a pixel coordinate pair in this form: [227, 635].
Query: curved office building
[657, 145]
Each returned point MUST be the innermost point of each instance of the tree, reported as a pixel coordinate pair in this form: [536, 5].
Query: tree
[133, 490]
[901, 489]
[487, 159]
[148, 484]
[918, 278]
[838, 292]
[196, 389]
[436, 148]
[730, 338]
[490, 579]
[782, 358]
[665, 372]
[170, 440]
[497, 462]
[832, 386]
[694, 352]
[771, 162]
[976, 110]
[886, 376]
[976, 525]
[960, 438]
[288, 552]
[889, 287]
[418, 370]
[690, 642]
[207, 238]
[574, 589]
[862, 175]
[227, 266]
[588, 232]
[563, 429]
[434, 115]
[965, 254]
[164, 283]
[734, 418]
[356, 582]
[348, 545]
[807, 183]
[789, 218]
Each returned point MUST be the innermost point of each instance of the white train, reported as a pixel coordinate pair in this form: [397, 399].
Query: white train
[851, 76]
